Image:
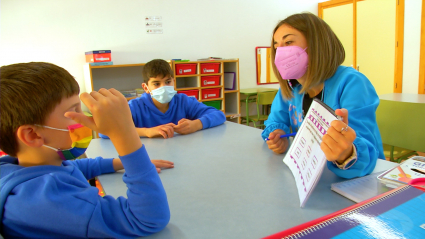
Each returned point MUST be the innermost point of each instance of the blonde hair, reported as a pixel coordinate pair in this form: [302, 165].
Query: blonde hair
[325, 51]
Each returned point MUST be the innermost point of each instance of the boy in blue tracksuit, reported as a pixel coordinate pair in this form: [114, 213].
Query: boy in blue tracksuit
[44, 195]
[161, 112]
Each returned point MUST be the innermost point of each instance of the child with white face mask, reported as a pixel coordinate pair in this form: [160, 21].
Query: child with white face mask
[161, 111]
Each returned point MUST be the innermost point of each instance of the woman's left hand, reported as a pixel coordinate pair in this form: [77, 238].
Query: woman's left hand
[337, 143]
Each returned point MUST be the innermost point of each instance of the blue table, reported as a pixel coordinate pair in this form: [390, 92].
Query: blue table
[227, 184]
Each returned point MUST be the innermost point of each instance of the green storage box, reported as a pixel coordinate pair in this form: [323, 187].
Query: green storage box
[215, 103]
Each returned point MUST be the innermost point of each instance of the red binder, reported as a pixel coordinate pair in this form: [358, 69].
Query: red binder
[401, 211]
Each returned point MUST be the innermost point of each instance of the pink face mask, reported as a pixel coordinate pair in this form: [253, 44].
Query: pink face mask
[291, 62]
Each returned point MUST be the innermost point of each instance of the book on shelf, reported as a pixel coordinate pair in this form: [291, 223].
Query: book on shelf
[362, 188]
[210, 59]
[305, 158]
[104, 63]
[404, 173]
[97, 52]
[398, 213]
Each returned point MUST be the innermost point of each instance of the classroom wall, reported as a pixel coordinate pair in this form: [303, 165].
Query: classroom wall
[61, 31]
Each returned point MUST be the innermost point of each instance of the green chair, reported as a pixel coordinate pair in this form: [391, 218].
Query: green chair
[263, 99]
[402, 128]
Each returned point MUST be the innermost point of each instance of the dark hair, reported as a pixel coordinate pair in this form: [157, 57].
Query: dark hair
[29, 93]
[155, 68]
[325, 51]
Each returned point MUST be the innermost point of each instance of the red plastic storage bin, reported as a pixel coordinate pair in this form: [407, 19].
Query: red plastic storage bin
[210, 68]
[210, 93]
[210, 80]
[186, 69]
[190, 93]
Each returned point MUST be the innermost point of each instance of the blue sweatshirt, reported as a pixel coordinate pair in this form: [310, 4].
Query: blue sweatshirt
[146, 115]
[348, 89]
[58, 202]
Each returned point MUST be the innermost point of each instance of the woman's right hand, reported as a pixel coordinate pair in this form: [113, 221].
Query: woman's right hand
[277, 144]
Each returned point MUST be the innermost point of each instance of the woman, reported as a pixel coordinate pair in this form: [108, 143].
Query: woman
[307, 61]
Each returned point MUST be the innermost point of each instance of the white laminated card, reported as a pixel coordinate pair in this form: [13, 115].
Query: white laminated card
[305, 158]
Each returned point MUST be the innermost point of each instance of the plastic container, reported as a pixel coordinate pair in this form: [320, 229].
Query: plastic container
[210, 68]
[215, 103]
[190, 93]
[229, 80]
[210, 93]
[186, 69]
[210, 80]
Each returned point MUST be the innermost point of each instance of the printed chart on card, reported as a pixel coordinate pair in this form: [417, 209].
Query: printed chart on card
[305, 158]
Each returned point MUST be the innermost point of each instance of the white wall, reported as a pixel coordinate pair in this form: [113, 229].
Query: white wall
[412, 42]
[61, 31]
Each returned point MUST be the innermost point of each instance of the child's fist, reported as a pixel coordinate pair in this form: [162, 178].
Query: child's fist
[111, 114]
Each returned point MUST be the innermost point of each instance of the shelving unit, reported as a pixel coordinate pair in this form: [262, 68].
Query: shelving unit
[129, 77]
[120, 77]
[230, 99]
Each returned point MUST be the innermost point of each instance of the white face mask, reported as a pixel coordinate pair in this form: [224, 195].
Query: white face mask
[163, 94]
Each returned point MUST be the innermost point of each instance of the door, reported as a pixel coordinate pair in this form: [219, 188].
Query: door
[370, 31]
[376, 42]
[340, 19]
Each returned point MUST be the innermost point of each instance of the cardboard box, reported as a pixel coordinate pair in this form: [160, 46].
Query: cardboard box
[98, 56]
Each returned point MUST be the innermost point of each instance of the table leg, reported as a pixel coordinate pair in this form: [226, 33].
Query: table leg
[247, 110]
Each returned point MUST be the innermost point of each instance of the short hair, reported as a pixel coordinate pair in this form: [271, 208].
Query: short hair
[325, 51]
[155, 68]
[29, 93]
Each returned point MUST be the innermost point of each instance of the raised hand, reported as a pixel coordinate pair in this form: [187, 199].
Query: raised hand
[111, 116]
[337, 143]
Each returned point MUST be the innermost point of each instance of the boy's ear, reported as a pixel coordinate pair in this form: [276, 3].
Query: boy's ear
[145, 87]
[28, 135]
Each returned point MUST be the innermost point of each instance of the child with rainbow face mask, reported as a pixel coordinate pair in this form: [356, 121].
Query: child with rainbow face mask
[161, 111]
[45, 195]
[80, 136]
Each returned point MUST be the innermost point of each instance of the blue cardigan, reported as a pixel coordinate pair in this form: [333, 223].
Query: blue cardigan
[348, 89]
[58, 202]
[146, 115]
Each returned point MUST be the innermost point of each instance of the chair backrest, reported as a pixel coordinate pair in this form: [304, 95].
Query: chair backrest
[266, 98]
[402, 124]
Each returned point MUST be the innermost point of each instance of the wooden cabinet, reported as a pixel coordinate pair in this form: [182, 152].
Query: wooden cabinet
[120, 77]
[129, 77]
[196, 83]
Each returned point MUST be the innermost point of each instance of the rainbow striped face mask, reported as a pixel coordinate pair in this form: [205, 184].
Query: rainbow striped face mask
[80, 136]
